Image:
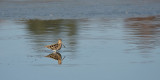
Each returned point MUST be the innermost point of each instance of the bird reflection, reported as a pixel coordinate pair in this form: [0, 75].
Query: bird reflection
[56, 56]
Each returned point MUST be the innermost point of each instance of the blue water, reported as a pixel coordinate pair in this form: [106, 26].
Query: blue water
[96, 49]
[77, 9]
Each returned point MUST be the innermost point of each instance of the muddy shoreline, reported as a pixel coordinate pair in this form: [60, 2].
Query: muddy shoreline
[62, 9]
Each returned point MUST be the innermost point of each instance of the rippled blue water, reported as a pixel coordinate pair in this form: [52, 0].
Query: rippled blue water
[113, 49]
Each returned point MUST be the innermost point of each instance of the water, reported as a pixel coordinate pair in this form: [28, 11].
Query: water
[77, 9]
[113, 49]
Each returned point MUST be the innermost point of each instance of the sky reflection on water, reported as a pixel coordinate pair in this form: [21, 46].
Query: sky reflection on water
[95, 48]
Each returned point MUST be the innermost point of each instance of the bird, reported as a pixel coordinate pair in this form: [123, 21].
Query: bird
[56, 47]
[56, 56]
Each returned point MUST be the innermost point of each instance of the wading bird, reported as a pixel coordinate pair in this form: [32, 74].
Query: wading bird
[56, 47]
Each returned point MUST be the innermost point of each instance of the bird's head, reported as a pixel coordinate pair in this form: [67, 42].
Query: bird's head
[59, 41]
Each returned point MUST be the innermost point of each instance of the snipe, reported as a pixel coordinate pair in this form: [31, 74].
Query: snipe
[57, 46]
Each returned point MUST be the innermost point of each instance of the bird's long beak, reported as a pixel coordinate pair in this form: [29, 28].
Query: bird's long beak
[63, 45]
[63, 58]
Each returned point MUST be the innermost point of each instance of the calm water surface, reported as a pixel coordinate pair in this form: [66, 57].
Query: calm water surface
[105, 49]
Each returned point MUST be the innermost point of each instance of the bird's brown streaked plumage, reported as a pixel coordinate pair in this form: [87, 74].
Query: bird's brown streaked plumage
[56, 46]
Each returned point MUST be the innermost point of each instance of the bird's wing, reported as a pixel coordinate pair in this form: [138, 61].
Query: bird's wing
[54, 46]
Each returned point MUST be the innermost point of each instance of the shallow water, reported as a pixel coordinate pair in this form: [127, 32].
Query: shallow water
[113, 49]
